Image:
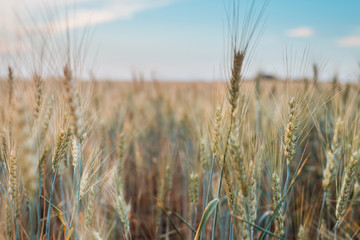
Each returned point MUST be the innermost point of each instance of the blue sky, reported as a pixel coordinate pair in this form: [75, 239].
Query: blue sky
[187, 40]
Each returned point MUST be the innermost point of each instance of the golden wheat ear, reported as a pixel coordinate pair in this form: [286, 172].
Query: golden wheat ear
[194, 188]
[279, 219]
[73, 103]
[123, 210]
[333, 157]
[11, 85]
[39, 96]
[290, 136]
[347, 186]
[235, 79]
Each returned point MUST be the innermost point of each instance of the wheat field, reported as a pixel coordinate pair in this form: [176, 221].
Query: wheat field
[242, 158]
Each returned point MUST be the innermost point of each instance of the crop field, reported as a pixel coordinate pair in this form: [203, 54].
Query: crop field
[242, 158]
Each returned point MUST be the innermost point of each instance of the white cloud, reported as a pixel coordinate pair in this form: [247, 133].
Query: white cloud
[36, 29]
[107, 11]
[82, 18]
[351, 41]
[57, 16]
[301, 32]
